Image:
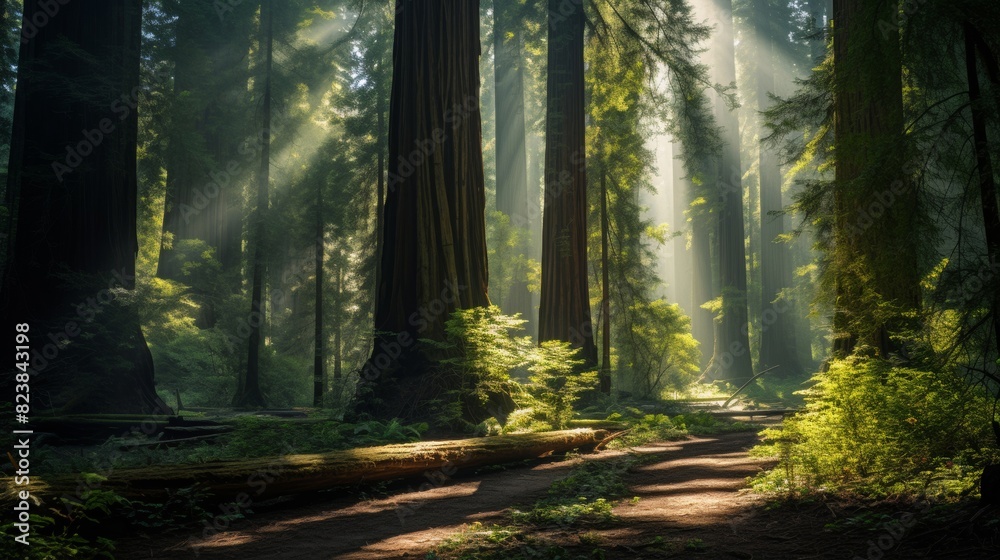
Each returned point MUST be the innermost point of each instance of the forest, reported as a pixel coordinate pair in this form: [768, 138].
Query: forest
[500, 279]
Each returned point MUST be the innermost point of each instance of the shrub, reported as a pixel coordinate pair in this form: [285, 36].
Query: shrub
[881, 429]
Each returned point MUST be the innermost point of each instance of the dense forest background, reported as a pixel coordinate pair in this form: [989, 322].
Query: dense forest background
[485, 214]
[737, 201]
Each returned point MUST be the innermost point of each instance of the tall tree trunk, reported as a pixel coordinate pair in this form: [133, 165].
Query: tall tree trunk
[380, 196]
[683, 276]
[564, 309]
[703, 287]
[731, 356]
[875, 202]
[605, 376]
[984, 163]
[251, 395]
[434, 242]
[73, 187]
[511, 159]
[338, 326]
[319, 353]
[778, 342]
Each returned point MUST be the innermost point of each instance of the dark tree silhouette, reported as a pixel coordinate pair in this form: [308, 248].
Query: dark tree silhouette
[73, 184]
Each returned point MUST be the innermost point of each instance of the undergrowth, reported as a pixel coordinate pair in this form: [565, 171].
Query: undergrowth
[878, 430]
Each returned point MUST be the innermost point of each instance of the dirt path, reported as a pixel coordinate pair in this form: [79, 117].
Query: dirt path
[691, 505]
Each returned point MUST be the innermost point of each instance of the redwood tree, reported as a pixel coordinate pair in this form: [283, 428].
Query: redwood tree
[564, 309]
[877, 215]
[433, 258]
[73, 185]
[731, 356]
[778, 339]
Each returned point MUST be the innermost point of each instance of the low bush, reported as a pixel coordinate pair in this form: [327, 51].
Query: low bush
[879, 429]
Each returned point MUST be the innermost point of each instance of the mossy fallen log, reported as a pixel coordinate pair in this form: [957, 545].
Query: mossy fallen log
[290, 473]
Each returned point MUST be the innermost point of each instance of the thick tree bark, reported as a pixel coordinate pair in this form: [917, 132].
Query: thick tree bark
[564, 309]
[778, 340]
[875, 202]
[250, 394]
[511, 159]
[731, 356]
[73, 190]
[434, 242]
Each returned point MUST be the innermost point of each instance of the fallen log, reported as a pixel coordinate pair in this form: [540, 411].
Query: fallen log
[291, 473]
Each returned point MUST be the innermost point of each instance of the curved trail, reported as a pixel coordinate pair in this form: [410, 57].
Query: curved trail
[691, 504]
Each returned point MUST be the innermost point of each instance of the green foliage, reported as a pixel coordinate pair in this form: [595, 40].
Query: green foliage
[69, 533]
[646, 428]
[880, 429]
[507, 252]
[182, 508]
[556, 383]
[485, 355]
[481, 354]
[657, 351]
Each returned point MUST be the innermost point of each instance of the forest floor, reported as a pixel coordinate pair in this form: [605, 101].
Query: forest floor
[693, 503]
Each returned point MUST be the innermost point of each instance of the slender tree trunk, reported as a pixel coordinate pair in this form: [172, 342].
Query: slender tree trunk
[605, 377]
[319, 356]
[338, 329]
[731, 356]
[778, 345]
[380, 202]
[703, 288]
[564, 310]
[511, 159]
[434, 242]
[74, 186]
[984, 163]
[251, 395]
[683, 276]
